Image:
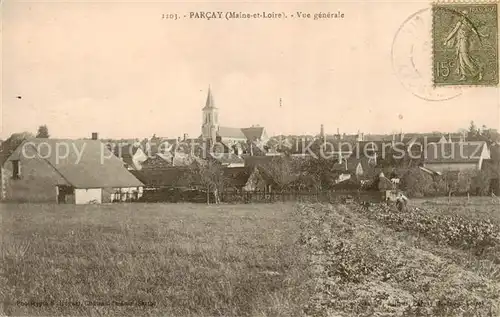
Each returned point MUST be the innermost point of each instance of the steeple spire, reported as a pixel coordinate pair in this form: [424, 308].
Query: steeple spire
[209, 104]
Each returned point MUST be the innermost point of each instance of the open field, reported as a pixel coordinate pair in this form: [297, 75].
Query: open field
[250, 260]
[365, 267]
[152, 259]
[473, 208]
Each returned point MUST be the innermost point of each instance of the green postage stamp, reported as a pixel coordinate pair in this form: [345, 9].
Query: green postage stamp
[465, 44]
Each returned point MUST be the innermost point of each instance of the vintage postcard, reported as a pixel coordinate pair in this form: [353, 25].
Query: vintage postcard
[239, 158]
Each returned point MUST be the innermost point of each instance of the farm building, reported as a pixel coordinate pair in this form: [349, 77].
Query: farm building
[66, 171]
[229, 160]
[174, 177]
[442, 157]
[131, 155]
[234, 179]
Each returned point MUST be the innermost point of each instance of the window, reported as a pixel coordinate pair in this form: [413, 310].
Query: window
[16, 169]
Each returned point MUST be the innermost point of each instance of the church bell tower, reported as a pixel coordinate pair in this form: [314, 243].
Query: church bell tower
[210, 123]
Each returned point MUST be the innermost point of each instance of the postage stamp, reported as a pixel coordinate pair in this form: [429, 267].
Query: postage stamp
[465, 44]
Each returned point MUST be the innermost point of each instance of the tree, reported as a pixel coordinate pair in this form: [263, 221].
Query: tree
[480, 183]
[209, 175]
[43, 132]
[322, 170]
[9, 145]
[416, 183]
[473, 131]
[280, 170]
[458, 182]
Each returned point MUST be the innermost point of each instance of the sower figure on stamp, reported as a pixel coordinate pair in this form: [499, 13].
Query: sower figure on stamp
[460, 37]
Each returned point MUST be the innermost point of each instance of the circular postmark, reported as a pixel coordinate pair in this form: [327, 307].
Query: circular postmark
[412, 58]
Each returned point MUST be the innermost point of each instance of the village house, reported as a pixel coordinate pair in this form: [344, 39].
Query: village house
[248, 179]
[175, 159]
[66, 171]
[236, 179]
[132, 155]
[459, 156]
[168, 177]
[229, 160]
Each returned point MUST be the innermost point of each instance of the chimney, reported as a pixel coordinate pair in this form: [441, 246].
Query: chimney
[185, 136]
[343, 136]
[449, 138]
[95, 136]
[338, 133]
[322, 131]
[340, 153]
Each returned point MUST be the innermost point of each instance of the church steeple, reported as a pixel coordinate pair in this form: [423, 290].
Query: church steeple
[209, 104]
[210, 124]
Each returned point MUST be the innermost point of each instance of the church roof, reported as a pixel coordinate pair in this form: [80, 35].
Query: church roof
[209, 104]
[228, 132]
[253, 133]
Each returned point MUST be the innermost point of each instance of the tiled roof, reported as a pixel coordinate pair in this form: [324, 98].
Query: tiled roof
[250, 148]
[350, 183]
[454, 152]
[253, 133]
[252, 161]
[384, 183]
[96, 168]
[126, 152]
[166, 177]
[227, 158]
[157, 161]
[229, 132]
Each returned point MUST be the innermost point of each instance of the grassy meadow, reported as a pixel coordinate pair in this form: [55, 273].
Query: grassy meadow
[152, 260]
[438, 258]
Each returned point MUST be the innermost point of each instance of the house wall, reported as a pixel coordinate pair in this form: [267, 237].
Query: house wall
[139, 158]
[359, 170]
[236, 165]
[117, 194]
[231, 141]
[88, 195]
[445, 167]
[37, 182]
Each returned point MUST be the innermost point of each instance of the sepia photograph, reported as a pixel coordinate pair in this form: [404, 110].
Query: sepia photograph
[250, 158]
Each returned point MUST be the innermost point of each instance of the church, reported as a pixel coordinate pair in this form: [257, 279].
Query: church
[211, 130]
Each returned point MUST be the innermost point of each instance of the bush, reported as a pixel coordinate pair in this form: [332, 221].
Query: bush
[481, 183]
[417, 183]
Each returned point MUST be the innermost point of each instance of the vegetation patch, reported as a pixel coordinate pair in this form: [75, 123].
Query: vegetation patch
[364, 268]
[152, 260]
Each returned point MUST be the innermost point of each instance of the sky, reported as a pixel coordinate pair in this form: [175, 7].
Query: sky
[119, 69]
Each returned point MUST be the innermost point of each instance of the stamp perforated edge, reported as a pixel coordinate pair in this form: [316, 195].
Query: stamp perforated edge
[458, 86]
[465, 1]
